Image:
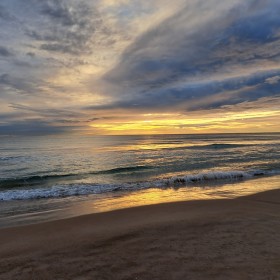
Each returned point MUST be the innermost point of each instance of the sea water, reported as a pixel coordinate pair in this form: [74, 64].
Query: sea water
[49, 177]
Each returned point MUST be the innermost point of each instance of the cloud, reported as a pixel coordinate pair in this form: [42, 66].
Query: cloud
[55, 116]
[5, 52]
[4, 14]
[70, 62]
[201, 95]
[70, 27]
[273, 80]
[4, 79]
[31, 127]
[19, 85]
[31, 54]
[187, 55]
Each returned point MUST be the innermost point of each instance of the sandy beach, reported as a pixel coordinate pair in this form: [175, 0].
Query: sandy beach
[215, 239]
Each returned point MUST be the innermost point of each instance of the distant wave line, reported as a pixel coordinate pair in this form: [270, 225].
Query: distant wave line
[36, 178]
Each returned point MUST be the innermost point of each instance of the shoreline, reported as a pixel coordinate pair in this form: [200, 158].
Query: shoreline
[13, 213]
[221, 239]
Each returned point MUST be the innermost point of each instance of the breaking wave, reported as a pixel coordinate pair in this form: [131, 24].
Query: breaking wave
[57, 191]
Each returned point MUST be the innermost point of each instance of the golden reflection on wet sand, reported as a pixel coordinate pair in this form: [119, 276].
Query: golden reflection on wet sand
[155, 196]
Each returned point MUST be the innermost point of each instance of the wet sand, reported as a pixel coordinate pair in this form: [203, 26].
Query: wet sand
[214, 239]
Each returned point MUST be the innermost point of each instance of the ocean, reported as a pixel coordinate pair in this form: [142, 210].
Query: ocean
[45, 178]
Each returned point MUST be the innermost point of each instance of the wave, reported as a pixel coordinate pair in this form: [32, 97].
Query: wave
[123, 169]
[59, 191]
[9, 182]
[220, 146]
[215, 146]
[8, 158]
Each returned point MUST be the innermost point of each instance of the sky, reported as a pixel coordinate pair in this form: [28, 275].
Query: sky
[139, 67]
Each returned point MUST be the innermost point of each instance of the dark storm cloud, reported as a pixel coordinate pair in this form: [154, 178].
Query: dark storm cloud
[159, 68]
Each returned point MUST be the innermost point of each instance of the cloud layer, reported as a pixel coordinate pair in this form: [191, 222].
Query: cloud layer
[65, 65]
[196, 54]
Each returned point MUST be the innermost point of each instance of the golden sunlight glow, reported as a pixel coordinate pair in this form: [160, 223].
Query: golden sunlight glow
[156, 196]
[174, 123]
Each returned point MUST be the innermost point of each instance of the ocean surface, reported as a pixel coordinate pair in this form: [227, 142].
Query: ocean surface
[50, 177]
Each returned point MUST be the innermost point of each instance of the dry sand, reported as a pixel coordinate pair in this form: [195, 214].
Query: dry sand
[217, 239]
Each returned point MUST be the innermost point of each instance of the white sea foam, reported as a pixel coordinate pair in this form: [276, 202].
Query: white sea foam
[57, 191]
